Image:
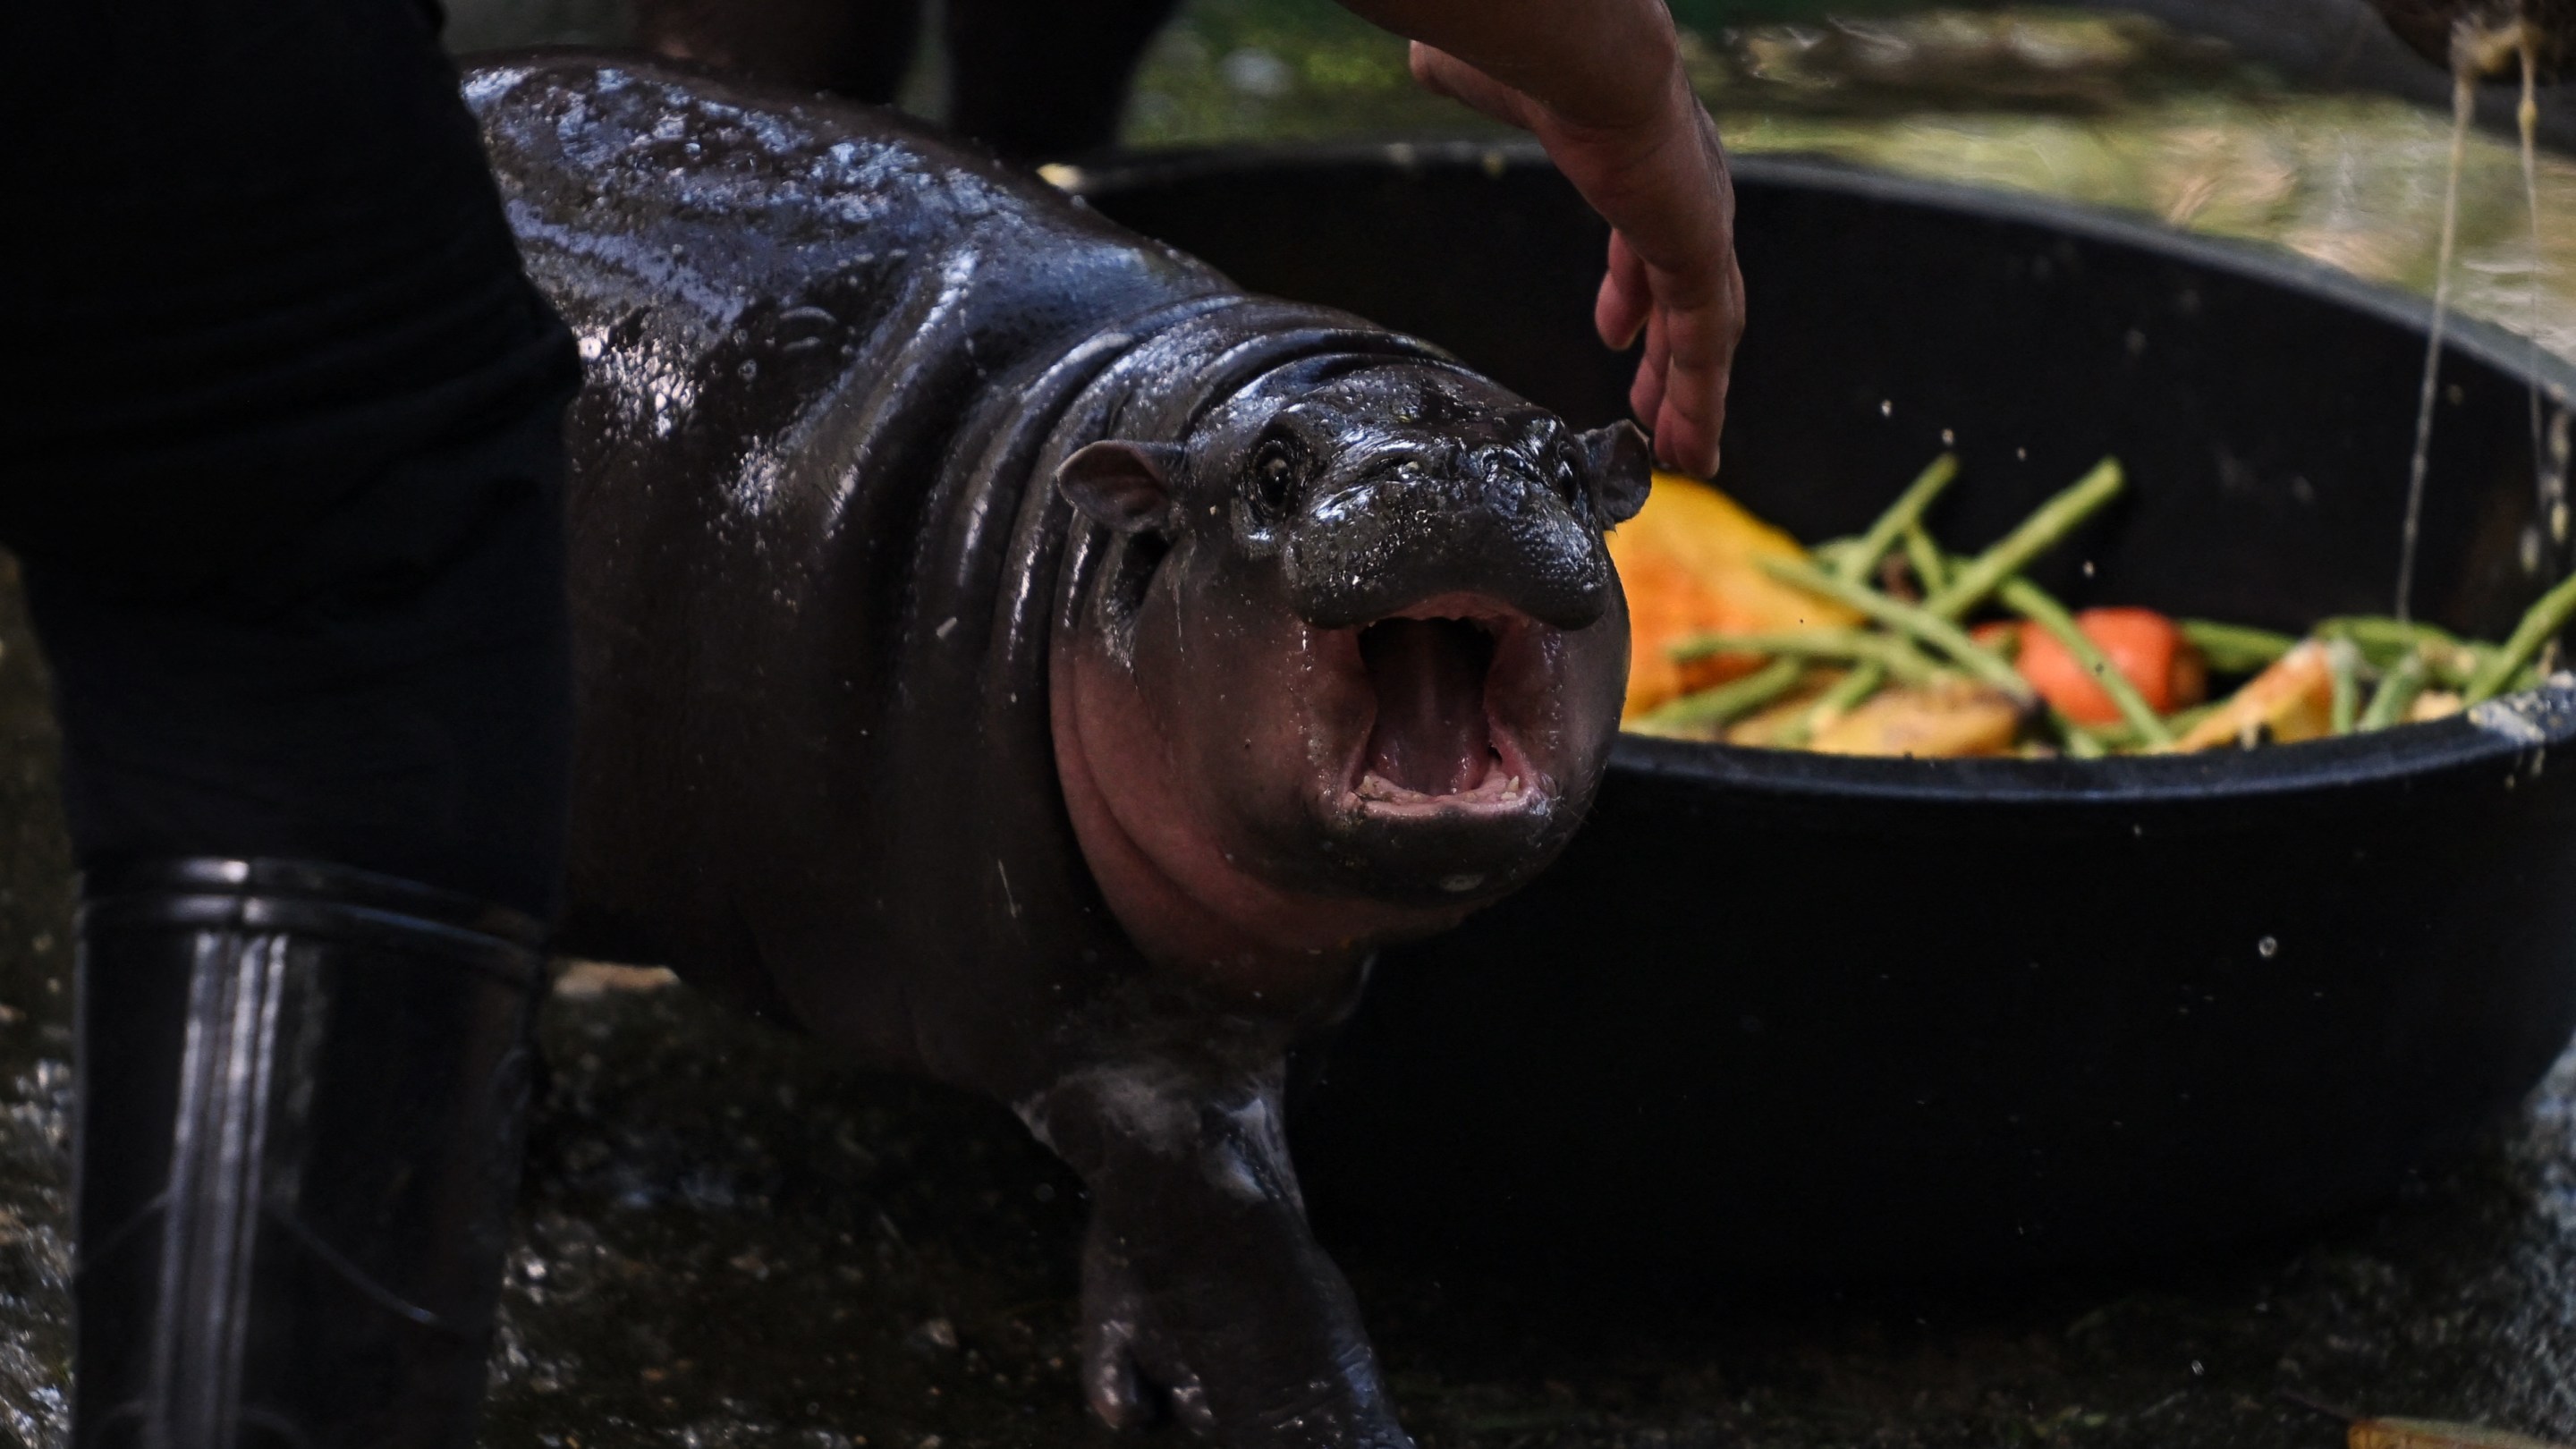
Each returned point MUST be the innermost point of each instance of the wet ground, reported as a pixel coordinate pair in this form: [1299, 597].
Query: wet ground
[728, 1238]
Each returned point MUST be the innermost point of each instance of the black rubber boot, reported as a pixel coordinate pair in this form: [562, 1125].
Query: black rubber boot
[301, 1099]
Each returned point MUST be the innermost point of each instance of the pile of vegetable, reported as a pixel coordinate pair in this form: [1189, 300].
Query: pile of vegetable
[1889, 644]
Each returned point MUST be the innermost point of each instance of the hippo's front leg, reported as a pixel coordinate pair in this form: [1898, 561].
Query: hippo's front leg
[1343, 665]
[1200, 1278]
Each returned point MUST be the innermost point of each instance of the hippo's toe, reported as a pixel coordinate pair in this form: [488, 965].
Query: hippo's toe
[1238, 1367]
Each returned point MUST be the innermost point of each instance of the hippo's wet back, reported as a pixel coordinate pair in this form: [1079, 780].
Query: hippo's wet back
[1010, 651]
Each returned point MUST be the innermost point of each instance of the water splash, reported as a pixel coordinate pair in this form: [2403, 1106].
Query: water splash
[2464, 83]
[2549, 481]
[2479, 48]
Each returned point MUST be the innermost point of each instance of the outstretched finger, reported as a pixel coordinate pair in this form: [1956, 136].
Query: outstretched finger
[1698, 359]
[1627, 298]
[1646, 394]
[1685, 438]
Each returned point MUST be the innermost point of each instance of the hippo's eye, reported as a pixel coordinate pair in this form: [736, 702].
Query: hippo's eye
[1274, 479]
[1567, 477]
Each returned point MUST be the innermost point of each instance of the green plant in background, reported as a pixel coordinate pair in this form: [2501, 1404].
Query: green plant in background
[2109, 109]
[1237, 70]
[1244, 70]
[1240, 70]
[1710, 16]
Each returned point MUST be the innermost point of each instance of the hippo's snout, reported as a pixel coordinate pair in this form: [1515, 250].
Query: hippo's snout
[1479, 523]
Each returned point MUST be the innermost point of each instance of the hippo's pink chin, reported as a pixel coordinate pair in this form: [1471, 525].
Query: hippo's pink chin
[1318, 791]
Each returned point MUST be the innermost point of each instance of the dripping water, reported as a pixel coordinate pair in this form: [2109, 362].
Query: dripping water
[2548, 480]
[2477, 50]
[2464, 83]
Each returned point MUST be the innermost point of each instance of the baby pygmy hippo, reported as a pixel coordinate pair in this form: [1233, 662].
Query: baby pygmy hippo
[1014, 654]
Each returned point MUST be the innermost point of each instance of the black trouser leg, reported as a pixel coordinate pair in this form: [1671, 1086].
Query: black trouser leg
[386, 685]
[301, 1097]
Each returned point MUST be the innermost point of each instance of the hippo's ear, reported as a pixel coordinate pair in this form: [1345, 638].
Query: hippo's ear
[1621, 467]
[1121, 485]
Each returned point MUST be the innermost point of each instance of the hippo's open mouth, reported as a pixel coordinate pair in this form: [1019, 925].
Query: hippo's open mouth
[1437, 741]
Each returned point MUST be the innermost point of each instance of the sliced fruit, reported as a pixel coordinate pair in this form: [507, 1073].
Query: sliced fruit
[2293, 700]
[1687, 564]
[1948, 717]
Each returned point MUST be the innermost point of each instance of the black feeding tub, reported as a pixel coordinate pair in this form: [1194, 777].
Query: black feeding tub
[1781, 1012]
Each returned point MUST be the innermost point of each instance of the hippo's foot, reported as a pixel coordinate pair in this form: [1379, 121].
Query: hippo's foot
[1243, 1355]
[1204, 1294]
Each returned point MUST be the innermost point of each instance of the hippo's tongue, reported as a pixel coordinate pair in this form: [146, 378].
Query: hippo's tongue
[1429, 674]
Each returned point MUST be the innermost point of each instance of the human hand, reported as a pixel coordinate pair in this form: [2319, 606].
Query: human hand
[1656, 172]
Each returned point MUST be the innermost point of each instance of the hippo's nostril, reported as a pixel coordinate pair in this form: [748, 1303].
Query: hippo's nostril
[1431, 736]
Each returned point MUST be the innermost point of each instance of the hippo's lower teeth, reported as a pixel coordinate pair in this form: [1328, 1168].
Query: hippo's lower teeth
[1375, 786]
[1497, 788]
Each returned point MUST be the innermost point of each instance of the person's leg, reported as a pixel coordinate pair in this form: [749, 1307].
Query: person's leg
[302, 1084]
[285, 491]
[1044, 79]
[385, 685]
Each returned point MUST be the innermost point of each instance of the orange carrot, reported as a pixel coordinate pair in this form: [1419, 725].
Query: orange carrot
[2142, 644]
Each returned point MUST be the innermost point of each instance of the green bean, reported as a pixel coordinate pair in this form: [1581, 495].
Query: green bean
[2182, 721]
[2117, 733]
[1921, 623]
[2538, 627]
[1697, 713]
[2376, 633]
[2453, 669]
[2234, 648]
[1854, 564]
[2043, 530]
[2385, 642]
[1829, 554]
[1843, 696]
[2397, 690]
[2343, 671]
[2033, 603]
[1900, 658]
[2082, 743]
[1931, 566]
[1851, 691]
